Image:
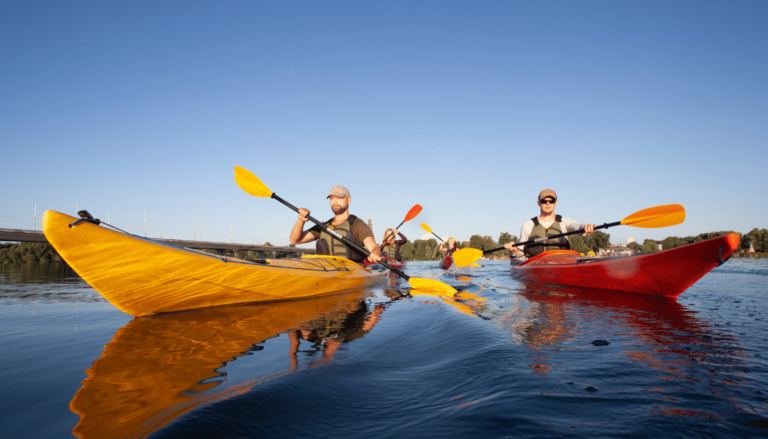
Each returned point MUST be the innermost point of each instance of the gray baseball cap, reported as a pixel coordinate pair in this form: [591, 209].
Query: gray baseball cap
[339, 191]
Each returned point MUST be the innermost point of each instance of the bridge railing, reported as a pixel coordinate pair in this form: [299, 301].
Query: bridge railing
[14, 235]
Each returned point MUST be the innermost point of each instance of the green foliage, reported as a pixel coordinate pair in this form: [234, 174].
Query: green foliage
[504, 238]
[649, 246]
[420, 250]
[28, 252]
[577, 244]
[597, 240]
[758, 238]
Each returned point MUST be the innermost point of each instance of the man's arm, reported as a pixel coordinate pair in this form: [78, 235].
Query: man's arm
[298, 235]
[363, 234]
[371, 246]
[525, 233]
[571, 226]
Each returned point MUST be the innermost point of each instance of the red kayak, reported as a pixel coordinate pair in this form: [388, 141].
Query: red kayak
[447, 262]
[665, 273]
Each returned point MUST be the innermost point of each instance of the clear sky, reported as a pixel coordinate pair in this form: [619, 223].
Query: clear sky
[467, 108]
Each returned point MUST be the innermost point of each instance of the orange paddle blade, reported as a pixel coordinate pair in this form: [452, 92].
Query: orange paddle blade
[426, 227]
[466, 256]
[659, 216]
[251, 183]
[415, 210]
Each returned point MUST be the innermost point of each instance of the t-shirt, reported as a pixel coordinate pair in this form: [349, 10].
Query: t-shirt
[568, 225]
[360, 230]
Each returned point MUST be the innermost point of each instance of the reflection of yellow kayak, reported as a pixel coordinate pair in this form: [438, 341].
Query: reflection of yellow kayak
[141, 276]
[158, 368]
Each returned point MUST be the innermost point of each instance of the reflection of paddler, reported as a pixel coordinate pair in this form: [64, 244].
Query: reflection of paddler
[158, 368]
[341, 328]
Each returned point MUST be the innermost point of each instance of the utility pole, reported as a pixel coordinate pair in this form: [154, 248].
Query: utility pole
[230, 233]
[194, 231]
[77, 209]
[34, 225]
[145, 222]
[107, 218]
[161, 228]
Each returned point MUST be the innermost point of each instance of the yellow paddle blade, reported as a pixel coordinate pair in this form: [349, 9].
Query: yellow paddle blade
[447, 299]
[426, 227]
[431, 285]
[659, 216]
[459, 306]
[251, 183]
[469, 296]
[476, 265]
[466, 256]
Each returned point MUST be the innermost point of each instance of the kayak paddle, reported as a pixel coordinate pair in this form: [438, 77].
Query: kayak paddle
[415, 210]
[252, 185]
[651, 218]
[426, 227]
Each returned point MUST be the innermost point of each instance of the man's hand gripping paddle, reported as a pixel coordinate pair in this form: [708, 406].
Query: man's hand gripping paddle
[651, 218]
[252, 185]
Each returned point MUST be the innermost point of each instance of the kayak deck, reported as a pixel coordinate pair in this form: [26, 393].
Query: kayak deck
[665, 273]
[141, 276]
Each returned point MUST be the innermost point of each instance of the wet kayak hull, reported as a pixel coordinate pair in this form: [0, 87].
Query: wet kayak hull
[141, 277]
[665, 273]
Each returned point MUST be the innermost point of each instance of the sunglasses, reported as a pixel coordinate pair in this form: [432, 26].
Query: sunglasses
[548, 201]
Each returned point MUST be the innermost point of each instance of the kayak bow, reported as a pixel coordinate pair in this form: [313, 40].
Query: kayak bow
[141, 276]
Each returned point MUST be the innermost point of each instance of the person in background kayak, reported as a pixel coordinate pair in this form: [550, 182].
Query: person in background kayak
[450, 247]
[349, 226]
[547, 224]
[391, 248]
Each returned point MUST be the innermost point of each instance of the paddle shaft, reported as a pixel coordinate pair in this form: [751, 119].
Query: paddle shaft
[560, 235]
[437, 237]
[346, 241]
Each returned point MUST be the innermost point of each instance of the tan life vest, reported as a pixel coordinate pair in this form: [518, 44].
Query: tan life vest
[540, 231]
[328, 244]
[391, 252]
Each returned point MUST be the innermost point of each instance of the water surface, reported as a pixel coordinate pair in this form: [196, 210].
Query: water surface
[380, 363]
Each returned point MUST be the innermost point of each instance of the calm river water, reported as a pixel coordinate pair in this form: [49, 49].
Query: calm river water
[378, 363]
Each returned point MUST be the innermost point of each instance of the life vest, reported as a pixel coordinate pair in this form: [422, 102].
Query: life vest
[328, 244]
[540, 231]
[391, 252]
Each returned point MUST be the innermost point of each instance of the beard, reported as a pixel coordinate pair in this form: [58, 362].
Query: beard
[339, 209]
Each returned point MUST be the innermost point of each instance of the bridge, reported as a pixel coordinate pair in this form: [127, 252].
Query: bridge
[261, 251]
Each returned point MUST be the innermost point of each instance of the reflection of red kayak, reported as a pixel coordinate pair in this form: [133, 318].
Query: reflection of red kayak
[666, 273]
[447, 262]
[398, 265]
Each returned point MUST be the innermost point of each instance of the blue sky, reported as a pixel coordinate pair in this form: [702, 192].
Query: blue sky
[467, 108]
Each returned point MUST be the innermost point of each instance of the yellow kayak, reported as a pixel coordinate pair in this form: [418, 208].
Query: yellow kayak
[140, 276]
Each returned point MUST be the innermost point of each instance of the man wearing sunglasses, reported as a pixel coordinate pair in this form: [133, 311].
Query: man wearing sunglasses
[547, 224]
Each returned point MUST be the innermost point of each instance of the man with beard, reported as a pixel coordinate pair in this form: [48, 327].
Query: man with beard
[547, 224]
[346, 225]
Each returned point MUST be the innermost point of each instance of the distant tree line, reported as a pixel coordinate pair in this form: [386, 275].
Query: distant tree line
[757, 237]
[28, 252]
[428, 250]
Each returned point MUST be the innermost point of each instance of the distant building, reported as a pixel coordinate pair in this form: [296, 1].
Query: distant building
[615, 250]
[660, 248]
[630, 240]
